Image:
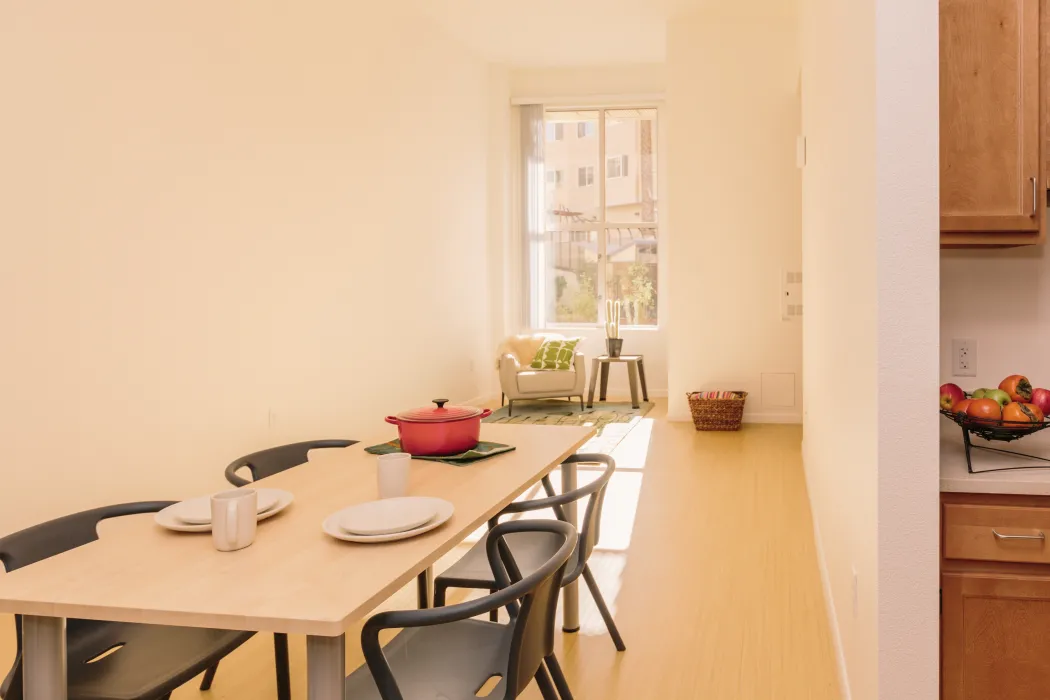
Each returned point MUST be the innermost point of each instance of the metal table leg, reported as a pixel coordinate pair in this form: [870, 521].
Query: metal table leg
[570, 595]
[44, 657]
[594, 381]
[325, 667]
[632, 377]
[641, 374]
[425, 588]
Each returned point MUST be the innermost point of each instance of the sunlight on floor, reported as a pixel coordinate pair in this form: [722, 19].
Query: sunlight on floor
[630, 448]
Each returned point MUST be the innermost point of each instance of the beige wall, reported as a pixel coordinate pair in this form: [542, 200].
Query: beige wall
[227, 226]
[870, 223]
[575, 82]
[1008, 318]
[734, 118]
[840, 444]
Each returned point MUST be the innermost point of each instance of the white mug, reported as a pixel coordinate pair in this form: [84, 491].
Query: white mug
[233, 519]
[392, 471]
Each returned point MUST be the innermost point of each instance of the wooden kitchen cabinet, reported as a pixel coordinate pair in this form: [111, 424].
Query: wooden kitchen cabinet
[995, 637]
[995, 597]
[992, 190]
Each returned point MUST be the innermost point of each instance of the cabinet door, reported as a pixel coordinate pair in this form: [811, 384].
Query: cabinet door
[989, 115]
[995, 637]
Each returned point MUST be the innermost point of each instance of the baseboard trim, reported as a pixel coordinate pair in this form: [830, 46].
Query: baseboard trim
[757, 418]
[772, 418]
[481, 401]
[829, 604]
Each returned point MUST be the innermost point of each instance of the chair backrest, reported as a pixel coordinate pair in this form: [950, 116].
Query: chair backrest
[524, 346]
[593, 491]
[534, 625]
[590, 530]
[274, 460]
[45, 540]
[532, 601]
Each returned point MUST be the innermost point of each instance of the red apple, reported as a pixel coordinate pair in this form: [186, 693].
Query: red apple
[1041, 398]
[951, 394]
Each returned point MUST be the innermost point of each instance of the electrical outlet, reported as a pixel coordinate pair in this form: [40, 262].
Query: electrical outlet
[856, 592]
[964, 357]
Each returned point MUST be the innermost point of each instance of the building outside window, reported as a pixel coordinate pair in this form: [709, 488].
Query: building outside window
[601, 238]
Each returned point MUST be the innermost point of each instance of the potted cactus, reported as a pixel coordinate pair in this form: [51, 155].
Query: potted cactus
[613, 341]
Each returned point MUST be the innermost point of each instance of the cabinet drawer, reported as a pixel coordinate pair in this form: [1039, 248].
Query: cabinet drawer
[997, 533]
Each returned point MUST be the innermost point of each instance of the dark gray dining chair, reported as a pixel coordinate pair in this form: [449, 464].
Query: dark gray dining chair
[442, 653]
[529, 551]
[275, 460]
[262, 464]
[112, 660]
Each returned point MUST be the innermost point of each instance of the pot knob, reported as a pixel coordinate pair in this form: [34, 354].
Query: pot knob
[441, 402]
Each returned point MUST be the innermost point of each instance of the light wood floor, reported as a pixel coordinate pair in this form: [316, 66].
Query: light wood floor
[707, 562]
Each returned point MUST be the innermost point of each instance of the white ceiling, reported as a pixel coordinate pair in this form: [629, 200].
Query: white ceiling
[559, 32]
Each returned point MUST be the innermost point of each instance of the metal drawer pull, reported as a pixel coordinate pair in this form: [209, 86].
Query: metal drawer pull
[1035, 196]
[1001, 536]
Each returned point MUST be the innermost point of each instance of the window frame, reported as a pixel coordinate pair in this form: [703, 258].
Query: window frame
[604, 225]
[585, 176]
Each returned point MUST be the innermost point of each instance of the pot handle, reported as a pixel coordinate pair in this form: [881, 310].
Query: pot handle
[392, 421]
[486, 413]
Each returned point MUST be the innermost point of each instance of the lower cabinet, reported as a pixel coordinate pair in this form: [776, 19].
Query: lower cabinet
[995, 637]
[995, 597]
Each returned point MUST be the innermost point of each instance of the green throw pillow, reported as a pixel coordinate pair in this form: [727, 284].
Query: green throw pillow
[555, 354]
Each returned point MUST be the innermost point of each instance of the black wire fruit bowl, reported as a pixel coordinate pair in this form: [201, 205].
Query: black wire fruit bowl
[994, 430]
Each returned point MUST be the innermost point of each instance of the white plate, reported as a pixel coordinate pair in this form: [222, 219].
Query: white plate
[387, 515]
[167, 518]
[197, 511]
[331, 525]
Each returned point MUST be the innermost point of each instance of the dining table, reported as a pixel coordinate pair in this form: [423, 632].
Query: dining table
[294, 578]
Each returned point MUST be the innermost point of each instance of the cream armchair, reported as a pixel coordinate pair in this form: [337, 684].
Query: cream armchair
[520, 382]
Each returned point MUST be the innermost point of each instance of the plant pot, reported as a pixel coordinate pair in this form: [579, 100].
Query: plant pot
[613, 346]
[439, 431]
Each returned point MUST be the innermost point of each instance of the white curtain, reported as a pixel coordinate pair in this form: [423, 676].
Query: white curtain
[533, 212]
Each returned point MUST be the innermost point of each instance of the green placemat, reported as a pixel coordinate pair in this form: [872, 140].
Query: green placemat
[484, 450]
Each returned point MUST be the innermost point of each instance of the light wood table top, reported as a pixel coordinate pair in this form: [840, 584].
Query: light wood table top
[294, 578]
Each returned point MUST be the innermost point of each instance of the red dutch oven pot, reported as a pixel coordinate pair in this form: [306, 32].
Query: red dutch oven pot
[444, 430]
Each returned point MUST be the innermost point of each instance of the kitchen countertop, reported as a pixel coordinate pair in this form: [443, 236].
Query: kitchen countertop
[955, 477]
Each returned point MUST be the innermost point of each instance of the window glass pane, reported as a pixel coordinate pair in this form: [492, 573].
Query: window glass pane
[574, 200]
[631, 146]
[571, 277]
[630, 272]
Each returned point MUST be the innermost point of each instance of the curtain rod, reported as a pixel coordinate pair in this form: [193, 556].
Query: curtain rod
[630, 100]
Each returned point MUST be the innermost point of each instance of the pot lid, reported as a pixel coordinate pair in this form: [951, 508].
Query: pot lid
[439, 414]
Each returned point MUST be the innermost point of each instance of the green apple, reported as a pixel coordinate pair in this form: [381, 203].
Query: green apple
[979, 394]
[997, 395]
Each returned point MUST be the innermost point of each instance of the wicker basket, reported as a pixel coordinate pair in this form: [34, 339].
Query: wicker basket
[717, 414]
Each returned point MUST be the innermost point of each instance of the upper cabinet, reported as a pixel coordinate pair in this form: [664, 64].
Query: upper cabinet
[991, 187]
